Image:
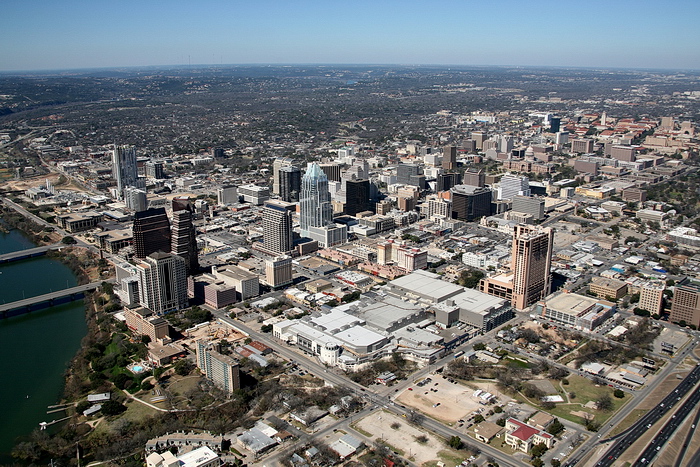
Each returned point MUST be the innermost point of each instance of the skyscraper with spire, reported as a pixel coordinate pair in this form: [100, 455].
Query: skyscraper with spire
[315, 200]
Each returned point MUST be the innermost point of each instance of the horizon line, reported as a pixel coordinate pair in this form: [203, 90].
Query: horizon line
[320, 64]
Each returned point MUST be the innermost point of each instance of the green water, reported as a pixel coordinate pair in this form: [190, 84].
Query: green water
[37, 347]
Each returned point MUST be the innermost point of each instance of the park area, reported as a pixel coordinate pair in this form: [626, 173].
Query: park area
[410, 442]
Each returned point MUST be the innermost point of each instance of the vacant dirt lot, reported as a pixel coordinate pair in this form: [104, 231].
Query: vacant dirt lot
[451, 402]
[403, 437]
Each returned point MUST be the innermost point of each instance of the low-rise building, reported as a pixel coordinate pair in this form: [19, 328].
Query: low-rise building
[577, 311]
[521, 436]
[609, 289]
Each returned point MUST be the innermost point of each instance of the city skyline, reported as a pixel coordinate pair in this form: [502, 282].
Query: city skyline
[63, 35]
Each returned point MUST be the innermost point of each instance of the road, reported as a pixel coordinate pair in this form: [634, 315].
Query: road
[368, 394]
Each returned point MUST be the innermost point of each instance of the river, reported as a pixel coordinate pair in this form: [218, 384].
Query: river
[35, 348]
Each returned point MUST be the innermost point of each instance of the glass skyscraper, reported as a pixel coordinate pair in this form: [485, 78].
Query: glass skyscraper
[315, 200]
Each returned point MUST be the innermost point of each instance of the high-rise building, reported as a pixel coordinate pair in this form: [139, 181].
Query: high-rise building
[277, 228]
[255, 194]
[511, 185]
[135, 199]
[582, 145]
[529, 205]
[289, 183]
[357, 197]
[561, 137]
[409, 174]
[162, 282]
[470, 202]
[435, 206]
[554, 124]
[530, 263]
[278, 271]
[151, 232]
[332, 171]
[449, 158]
[276, 166]
[473, 177]
[154, 169]
[184, 239]
[479, 137]
[124, 169]
[227, 195]
[218, 153]
[222, 370]
[315, 209]
[444, 182]
[686, 302]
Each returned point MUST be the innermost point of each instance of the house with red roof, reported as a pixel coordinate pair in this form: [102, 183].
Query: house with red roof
[521, 436]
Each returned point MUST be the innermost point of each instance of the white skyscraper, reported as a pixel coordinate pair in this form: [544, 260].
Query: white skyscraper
[124, 168]
[315, 201]
[511, 185]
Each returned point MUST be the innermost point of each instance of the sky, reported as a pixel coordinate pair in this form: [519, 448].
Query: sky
[69, 34]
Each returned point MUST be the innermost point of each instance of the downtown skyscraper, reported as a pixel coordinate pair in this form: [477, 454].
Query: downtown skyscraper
[124, 169]
[315, 200]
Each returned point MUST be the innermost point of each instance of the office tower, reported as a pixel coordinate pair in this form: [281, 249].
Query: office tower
[135, 199]
[220, 369]
[329, 235]
[218, 153]
[289, 183]
[276, 166]
[315, 209]
[511, 185]
[155, 170]
[227, 195]
[277, 228]
[182, 203]
[505, 144]
[530, 264]
[667, 123]
[561, 137]
[384, 207]
[254, 194]
[162, 282]
[184, 239]
[332, 171]
[244, 281]
[444, 182]
[409, 174]
[470, 202]
[278, 271]
[582, 145]
[151, 232]
[555, 124]
[449, 158]
[479, 137]
[469, 145]
[473, 177]
[529, 205]
[686, 302]
[124, 169]
[357, 197]
[623, 153]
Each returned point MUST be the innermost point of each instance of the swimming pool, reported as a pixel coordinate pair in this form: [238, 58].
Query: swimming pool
[137, 368]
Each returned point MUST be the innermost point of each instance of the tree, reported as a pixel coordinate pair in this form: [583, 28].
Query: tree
[183, 367]
[537, 462]
[112, 407]
[479, 346]
[266, 328]
[555, 463]
[604, 403]
[455, 442]
[145, 339]
[555, 427]
[538, 449]
[619, 393]
[478, 418]
[68, 240]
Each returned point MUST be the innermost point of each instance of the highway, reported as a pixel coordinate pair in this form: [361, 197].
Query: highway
[662, 437]
[646, 422]
[691, 432]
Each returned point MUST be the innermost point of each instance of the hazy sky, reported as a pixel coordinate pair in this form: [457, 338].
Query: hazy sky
[61, 34]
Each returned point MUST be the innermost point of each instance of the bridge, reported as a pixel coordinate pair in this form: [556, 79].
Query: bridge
[29, 253]
[27, 305]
